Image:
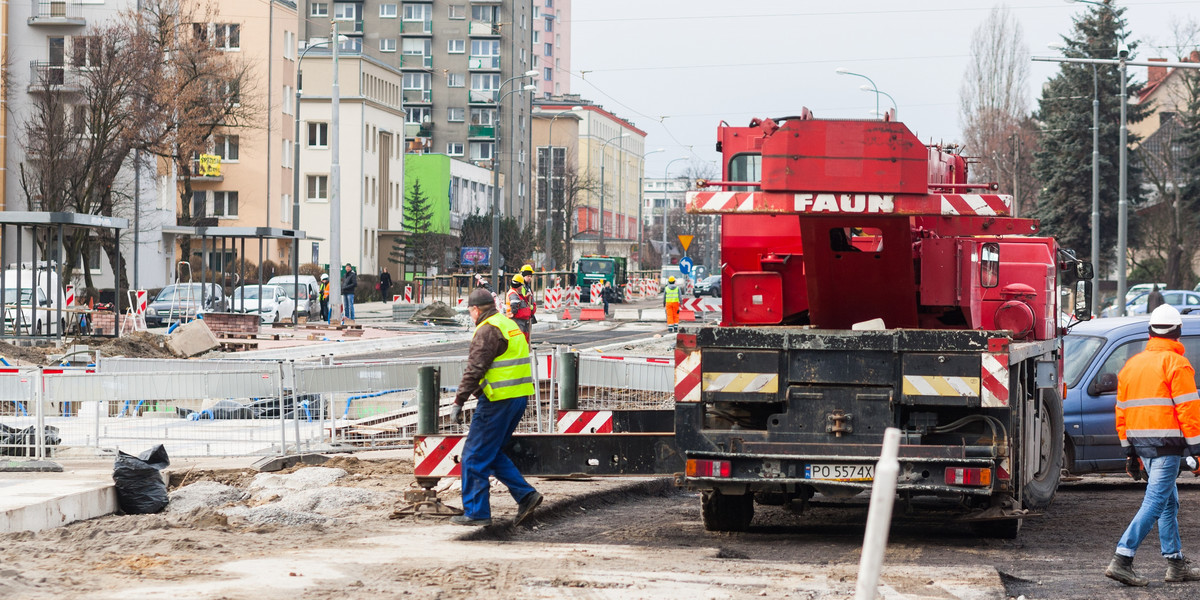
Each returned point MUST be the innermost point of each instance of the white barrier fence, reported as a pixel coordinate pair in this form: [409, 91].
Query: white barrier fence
[246, 408]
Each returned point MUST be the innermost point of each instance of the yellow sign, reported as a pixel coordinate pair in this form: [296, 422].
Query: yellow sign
[686, 240]
[210, 165]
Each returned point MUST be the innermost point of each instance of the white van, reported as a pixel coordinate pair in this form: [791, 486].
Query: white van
[308, 303]
[35, 307]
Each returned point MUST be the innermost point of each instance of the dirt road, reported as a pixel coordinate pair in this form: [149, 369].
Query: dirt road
[593, 539]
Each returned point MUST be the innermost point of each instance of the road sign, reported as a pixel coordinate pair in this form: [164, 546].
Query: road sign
[686, 240]
[685, 264]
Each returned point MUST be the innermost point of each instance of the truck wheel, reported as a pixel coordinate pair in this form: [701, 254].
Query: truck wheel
[1001, 530]
[1038, 492]
[726, 513]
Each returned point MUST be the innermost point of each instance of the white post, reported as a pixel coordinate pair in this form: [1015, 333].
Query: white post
[879, 518]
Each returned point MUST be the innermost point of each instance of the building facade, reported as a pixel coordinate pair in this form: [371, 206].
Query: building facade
[552, 46]
[454, 189]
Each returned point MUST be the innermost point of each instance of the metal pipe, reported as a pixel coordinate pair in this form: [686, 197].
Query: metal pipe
[568, 379]
[1095, 182]
[428, 407]
[1122, 198]
[335, 190]
[879, 517]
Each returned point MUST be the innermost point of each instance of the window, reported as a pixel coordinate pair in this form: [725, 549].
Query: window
[318, 135]
[537, 12]
[416, 46]
[483, 116]
[536, 62]
[455, 114]
[417, 12]
[387, 11]
[485, 13]
[289, 44]
[228, 36]
[350, 44]
[289, 152]
[387, 45]
[318, 187]
[457, 11]
[226, 146]
[456, 80]
[285, 208]
[289, 100]
[85, 51]
[485, 47]
[232, 92]
[549, 24]
[225, 204]
[547, 74]
[415, 81]
[319, 9]
[485, 81]
[549, 49]
[481, 150]
[456, 46]
[537, 37]
[454, 148]
[199, 204]
[417, 114]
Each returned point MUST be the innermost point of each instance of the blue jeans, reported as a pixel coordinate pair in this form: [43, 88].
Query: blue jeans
[491, 428]
[1160, 505]
[349, 306]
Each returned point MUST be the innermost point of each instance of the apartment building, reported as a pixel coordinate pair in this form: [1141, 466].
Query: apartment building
[661, 196]
[552, 46]
[370, 155]
[463, 65]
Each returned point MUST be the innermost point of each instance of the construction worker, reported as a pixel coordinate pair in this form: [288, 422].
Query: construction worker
[499, 373]
[516, 307]
[671, 302]
[324, 295]
[1158, 421]
[527, 294]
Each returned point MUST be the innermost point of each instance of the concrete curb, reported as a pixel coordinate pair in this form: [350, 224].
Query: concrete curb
[59, 503]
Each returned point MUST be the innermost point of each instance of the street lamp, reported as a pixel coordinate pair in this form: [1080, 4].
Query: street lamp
[550, 182]
[845, 71]
[642, 203]
[666, 173]
[600, 247]
[866, 88]
[495, 256]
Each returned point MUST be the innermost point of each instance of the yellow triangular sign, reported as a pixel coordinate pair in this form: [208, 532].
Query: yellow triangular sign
[686, 240]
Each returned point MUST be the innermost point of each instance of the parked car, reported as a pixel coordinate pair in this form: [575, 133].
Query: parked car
[709, 286]
[271, 302]
[1183, 301]
[307, 303]
[1093, 354]
[38, 304]
[184, 301]
[1110, 310]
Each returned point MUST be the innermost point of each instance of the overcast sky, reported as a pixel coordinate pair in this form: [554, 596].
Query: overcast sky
[676, 68]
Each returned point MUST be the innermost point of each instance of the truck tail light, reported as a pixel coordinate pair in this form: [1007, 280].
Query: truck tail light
[708, 468]
[968, 476]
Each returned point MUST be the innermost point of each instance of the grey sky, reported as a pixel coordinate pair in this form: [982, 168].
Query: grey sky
[649, 59]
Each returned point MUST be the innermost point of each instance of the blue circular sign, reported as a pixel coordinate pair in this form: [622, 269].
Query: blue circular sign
[685, 265]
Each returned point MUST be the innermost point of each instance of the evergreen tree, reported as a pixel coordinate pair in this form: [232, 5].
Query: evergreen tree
[1189, 199]
[1063, 162]
[418, 220]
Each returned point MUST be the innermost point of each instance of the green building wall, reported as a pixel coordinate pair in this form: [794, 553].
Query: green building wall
[433, 171]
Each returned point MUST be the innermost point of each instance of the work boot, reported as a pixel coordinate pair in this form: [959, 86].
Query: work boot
[531, 501]
[469, 522]
[1181, 569]
[1121, 569]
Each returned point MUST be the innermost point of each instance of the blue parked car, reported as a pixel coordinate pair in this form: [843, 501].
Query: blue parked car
[1093, 354]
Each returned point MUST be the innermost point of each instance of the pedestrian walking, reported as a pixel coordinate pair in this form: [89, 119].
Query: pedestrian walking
[1158, 421]
[500, 375]
[349, 284]
[324, 296]
[517, 307]
[1154, 300]
[607, 296]
[385, 285]
[671, 303]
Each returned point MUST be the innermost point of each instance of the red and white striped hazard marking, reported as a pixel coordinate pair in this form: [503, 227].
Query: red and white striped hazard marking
[597, 288]
[687, 376]
[552, 299]
[720, 201]
[69, 295]
[994, 380]
[438, 456]
[701, 304]
[976, 204]
[398, 297]
[585, 421]
[141, 302]
[647, 359]
[408, 294]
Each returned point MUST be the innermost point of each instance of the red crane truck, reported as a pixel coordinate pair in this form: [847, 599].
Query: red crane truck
[867, 286]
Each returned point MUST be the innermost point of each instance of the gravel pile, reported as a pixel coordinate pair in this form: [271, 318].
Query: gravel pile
[304, 479]
[209, 494]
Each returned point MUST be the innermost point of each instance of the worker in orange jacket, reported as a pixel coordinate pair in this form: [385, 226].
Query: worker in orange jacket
[516, 307]
[1158, 421]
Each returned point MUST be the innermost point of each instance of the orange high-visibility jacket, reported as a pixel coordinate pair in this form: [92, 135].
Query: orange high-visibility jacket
[1158, 410]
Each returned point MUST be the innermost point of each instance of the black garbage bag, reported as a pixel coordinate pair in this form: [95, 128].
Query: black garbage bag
[140, 486]
[23, 442]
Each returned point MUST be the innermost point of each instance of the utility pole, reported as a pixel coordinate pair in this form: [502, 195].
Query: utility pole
[335, 190]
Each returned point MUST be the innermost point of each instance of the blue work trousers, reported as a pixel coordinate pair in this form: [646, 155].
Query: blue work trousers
[491, 427]
[1160, 505]
[349, 312]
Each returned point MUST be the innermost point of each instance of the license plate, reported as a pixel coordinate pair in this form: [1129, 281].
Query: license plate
[835, 472]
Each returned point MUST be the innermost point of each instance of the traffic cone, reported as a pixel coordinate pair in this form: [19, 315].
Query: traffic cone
[566, 314]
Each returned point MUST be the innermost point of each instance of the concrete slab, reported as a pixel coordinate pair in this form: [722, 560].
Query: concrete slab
[654, 314]
[627, 314]
[37, 501]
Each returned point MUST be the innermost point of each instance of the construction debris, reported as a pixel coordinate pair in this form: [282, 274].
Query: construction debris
[438, 313]
[192, 339]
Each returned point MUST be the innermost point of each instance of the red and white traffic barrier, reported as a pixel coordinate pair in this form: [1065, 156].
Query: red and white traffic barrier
[585, 421]
[646, 359]
[408, 294]
[701, 304]
[576, 294]
[69, 295]
[438, 456]
[597, 288]
[139, 302]
[552, 298]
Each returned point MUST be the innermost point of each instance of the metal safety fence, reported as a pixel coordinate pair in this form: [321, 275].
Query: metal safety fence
[246, 408]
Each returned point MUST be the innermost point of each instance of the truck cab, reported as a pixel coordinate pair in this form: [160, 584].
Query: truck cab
[600, 269]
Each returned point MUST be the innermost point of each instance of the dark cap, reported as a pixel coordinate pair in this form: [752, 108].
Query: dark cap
[480, 297]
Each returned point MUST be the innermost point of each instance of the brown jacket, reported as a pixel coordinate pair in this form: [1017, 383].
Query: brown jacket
[486, 345]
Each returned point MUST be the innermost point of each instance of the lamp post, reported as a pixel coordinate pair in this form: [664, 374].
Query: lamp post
[845, 71]
[600, 247]
[335, 188]
[867, 88]
[495, 254]
[550, 183]
[666, 173]
[642, 203]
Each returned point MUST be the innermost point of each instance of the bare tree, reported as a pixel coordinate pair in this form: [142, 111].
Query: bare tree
[993, 105]
[575, 184]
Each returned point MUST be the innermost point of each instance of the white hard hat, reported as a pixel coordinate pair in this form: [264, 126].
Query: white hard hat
[1164, 319]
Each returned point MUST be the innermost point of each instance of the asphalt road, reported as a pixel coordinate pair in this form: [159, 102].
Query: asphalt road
[1061, 555]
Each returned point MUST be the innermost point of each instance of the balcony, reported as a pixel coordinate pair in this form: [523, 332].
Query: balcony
[416, 27]
[483, 29]
[423, 130]
[56, 13]
[481, 96]
[415, 61]
[481, 131]
[47, 77]
[484, 63]
[200, 173]
[349, 26]
[418, 96]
